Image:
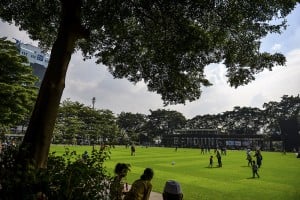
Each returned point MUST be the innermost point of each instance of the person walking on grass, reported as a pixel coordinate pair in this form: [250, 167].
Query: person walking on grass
[249, 158]
[132, 148]
[141, 188]
[219, 158]
[254, 170]
[258, 158]
[211, 161]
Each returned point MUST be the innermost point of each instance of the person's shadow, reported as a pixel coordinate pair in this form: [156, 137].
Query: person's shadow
[212, 167]
[251, 177]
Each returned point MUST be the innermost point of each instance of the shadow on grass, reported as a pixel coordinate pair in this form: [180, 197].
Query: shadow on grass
[212, 167]
[252, 178]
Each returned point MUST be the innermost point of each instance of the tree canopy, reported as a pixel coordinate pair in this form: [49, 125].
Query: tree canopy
[79, 123]
[17, 82]
[166, 44]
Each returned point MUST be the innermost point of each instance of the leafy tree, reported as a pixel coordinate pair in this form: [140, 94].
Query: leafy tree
[163, 122]
[68, 123]
[166, 44]
[107, 126]
[67, 176]
[287, 108]
[246, 120]
[18, 92]
[132, 124]
[243, 120]
[76, 121]
[203, 122]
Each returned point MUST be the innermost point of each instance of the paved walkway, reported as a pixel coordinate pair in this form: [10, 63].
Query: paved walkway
[153, 195]
[156, 196]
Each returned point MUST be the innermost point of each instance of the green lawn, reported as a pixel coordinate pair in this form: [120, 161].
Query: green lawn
[280, 174]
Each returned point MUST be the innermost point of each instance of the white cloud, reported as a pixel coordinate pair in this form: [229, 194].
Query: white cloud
[10, 31]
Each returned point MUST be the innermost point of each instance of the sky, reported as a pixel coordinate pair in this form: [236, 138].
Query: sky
[86, 80]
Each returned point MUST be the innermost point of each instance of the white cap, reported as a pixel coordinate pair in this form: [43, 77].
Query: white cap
[172, 187]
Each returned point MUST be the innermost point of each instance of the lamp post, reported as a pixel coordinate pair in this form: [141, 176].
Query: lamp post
[93, 101]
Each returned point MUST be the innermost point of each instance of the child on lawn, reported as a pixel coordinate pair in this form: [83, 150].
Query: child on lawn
[254, 170]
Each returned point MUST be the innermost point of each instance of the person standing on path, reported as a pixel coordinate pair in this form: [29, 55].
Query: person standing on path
[141, 188]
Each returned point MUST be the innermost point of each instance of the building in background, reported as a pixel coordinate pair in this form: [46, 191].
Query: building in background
[37, 58]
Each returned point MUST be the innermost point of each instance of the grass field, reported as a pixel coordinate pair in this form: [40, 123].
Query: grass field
[280, 174]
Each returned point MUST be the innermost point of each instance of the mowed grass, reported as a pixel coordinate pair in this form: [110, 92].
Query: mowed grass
[280, 174]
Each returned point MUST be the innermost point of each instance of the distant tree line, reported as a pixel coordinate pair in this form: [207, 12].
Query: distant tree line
[80, 124]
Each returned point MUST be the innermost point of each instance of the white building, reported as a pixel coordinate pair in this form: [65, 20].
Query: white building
[33, 53]
[37, 58]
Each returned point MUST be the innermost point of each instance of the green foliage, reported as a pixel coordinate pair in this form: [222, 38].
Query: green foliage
[163, 122]
[76, 121]
[287, 108]
[132, 124]
[68, 176]
[17, 82]
[246, 120]
[166, 44]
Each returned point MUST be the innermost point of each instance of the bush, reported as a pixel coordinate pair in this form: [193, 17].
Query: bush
[66, 177]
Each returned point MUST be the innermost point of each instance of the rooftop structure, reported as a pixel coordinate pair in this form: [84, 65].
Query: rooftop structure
[37, 58]
[33, 53]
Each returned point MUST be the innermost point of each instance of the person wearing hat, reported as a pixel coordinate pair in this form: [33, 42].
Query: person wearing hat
[141, 188]
[172, 191]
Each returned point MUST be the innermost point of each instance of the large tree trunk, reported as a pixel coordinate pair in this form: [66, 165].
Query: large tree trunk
[36, 143]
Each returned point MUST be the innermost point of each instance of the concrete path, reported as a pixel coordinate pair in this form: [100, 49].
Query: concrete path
[156, 196]
[153, 195]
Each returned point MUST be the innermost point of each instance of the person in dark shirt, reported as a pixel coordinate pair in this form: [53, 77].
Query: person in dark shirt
[254, 170]
[219, 158]
[132, 150]
[117, 185]
[211, 161]
[258, 158]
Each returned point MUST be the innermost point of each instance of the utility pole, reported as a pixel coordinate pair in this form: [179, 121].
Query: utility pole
[93, 102]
